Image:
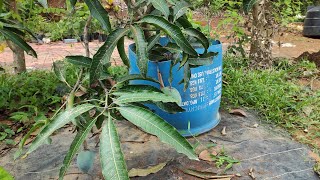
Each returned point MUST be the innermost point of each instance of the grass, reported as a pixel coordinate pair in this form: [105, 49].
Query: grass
[275, 93]
[34, 96]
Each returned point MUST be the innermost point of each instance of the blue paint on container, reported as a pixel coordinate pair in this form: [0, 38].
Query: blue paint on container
[202, 98]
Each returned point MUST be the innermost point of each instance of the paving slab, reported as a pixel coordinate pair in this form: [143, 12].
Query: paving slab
[269, 151]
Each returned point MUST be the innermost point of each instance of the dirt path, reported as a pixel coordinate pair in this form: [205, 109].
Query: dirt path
[48, 53]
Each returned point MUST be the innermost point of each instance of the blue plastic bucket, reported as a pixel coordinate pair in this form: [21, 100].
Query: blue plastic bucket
[202, 98]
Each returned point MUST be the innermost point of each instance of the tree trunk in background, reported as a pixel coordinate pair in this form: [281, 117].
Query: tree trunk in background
[19, 64]
[261, 34]
[86, 36]
[19, 60]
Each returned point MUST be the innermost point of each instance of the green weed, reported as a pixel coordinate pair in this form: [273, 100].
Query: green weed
[273, 92]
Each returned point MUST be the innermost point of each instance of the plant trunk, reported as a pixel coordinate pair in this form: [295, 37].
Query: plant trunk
[19, 62]
[261, 34]
[86, 36]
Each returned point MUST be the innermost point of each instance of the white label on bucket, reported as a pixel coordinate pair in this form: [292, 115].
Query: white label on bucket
[201, 94]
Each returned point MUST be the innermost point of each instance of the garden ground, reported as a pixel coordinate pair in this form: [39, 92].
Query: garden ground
[264, 151]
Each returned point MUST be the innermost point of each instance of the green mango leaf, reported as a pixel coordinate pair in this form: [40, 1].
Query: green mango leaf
[156, 56]
[17, 26]
[172, 47]
[172, 2]
[199, 35]
[85, 160]
[186, 75]
[180, 8]
[171, 108]
[248, 5]
[182, 21]
[141, 93]
[62, 119]
[1, 5]
[98, 12]
[136, 88]
[122, 52]
[79, 61]
[172, 30]
[153, 40]
[184, 60]
[135, 77]
[75, 146]
[16, 31]
[205, 59]
[18, 41]
[103, 55]
[141, 49]
[43, 3]
[162, 6]
[60, 71]
[153, 124]
[111, 157]
[170, 79]
[73, 3]
[4, 175]
[171, 91]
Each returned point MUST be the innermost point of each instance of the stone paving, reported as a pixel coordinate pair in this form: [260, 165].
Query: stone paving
[266, 150]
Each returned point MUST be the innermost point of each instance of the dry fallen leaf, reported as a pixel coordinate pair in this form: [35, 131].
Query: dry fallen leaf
[314, 156]
[92, 112]
[307, 110]
[18, 138]
[238, 112]
[251, 173]
[79, 93]
[144, 172]
[36, 132]
[206, 175]
[223, 132]
[206, 156]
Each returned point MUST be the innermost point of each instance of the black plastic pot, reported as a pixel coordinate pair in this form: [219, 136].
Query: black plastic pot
[312, 23]
[102, 37]
[96, 35]
[90, 37]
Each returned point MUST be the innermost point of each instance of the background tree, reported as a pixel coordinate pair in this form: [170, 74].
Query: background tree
[14, 32]
[262, 31]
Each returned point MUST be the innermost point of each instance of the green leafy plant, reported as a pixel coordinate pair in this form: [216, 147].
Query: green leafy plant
[273, 92]
[6, 134]
[223, 159]
[96, 101]
[30, 91]
[5, 175]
